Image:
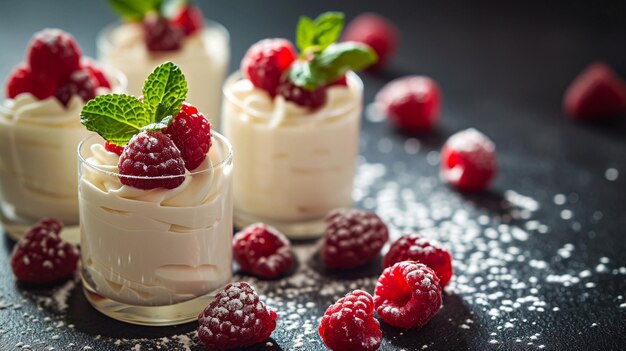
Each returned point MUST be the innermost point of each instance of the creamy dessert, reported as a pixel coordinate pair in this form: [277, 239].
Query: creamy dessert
[200, 48]
[295, 125]
[40, 130]
[155, 203]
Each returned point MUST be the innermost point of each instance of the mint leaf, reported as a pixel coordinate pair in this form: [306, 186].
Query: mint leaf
[316, 35]
[135, 10]
[306, 75]
[116, 117]
[305, 33]
[164, 92]
[159, 125]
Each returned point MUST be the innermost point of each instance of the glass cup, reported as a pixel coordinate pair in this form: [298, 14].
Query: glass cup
[204, 58]
[293, 165]
[38, 140]
[154, 257]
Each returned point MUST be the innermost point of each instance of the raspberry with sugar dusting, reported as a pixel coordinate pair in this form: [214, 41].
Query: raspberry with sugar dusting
[236, 318]
[191, 132]
[468, 160]
[266, 61]
[81, 83]
[22, 80]
[262, 251]
[53, 54]
[160, 34]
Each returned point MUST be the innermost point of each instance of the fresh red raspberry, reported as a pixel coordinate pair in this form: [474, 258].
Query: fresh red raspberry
[81, 83]
[411, 103]
[96, 71]
[349, 324]
[22, 80]
[191, 132]
[266, 61]
[407, 295]
[597, 93]
[341, 82]
[311, 99]
[189, 19]
[154, 158]
[160, 34]
[53, 55]
[113, 148]
[377, 32]
[414, 247]
[468, 160]
[41, 256]
[262, 251]
[353, 237]
[236, 318]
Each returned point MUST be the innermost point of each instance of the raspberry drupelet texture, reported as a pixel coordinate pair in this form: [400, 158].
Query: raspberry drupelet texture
[113, 148]
[160, 34]
[414, 247]
[311, 99]
[236, 318]
[266, 61]
[154, 156]
[96, 71]
[80, 82]
[353, 237]
[53, 54]
[22, 80]
[41, 256]
[377, 32]
[407, 295]
[191, 132]
[262, 251]
[349, 324]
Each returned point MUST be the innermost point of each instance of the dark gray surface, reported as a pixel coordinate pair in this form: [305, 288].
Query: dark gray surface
[502, 69]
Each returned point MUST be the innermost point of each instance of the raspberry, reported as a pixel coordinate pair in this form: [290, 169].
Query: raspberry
[300, 96]
[597, 93]
[96, 71]
[81, 83]
[113, 148]
[414, 247]
[411, 103]
[189, 19]
[407, 295]
[191, 132]
[349, 324]
[53, 55]
[262, 251]
[377, 32]
[353, 237]
[41, 256]
[236, 318]
[161, 35]
[266, 61]
[468, 160]
[341, 82]
[154, 158]
[22, 80]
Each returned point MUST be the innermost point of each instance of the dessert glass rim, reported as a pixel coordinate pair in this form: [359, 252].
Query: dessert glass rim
[352, 78]
[225, 160]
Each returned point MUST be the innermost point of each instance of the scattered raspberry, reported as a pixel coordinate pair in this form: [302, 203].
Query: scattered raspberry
[414, 247]
[375, 31]
[349, 324]
[41, 256]
[154, 156]
[266, 61]
[189, 19]
[22, 80]
[191, 132]
[300, 96]
[53, 55]
[96, 71]
[597, 93]
[468, 160]
[262, 251]
[113, 148]
[411, 103]
[407, 295]
[160, 34]
[353, 237]
[81, 83]
[236, 318]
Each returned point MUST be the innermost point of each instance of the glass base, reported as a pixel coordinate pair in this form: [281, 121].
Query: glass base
[16, 228]
[299, 230]
[154, 316]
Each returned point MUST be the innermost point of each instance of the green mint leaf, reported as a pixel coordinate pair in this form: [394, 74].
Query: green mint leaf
[164, 92]
[316, 35]
[135, 10]
[159, 125]
[305, 33]
[116, 117]
[306, 75]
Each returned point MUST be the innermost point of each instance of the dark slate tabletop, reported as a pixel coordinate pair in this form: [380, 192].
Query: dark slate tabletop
[539, 258]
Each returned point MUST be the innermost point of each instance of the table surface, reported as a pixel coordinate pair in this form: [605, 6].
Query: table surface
[539, 259]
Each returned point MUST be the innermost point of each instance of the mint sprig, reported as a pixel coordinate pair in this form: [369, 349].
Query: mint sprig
[117, 117]
[135, 10]
[316, 35]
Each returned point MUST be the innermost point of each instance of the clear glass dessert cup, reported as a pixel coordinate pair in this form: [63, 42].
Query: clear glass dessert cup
[293, 165]
[38, 140]
[155, 257]
[204, 57]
